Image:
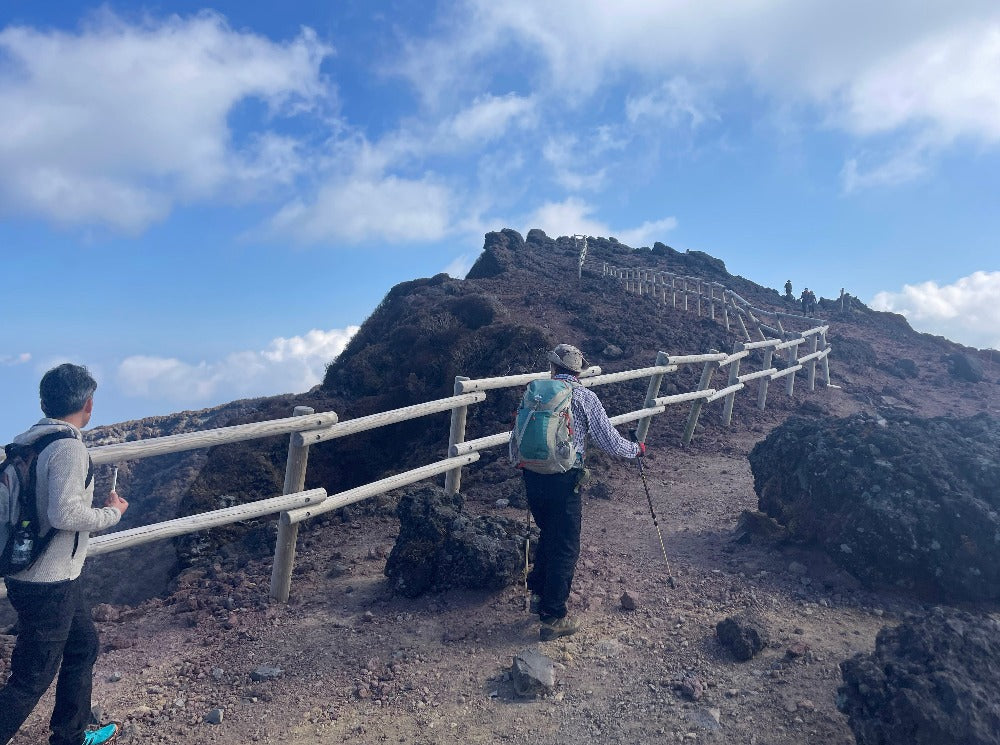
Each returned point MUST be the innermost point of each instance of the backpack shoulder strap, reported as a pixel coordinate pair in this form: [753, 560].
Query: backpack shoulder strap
[36, 448]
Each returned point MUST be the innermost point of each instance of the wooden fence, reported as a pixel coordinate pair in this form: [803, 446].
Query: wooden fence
[307, 428]
[685, 292]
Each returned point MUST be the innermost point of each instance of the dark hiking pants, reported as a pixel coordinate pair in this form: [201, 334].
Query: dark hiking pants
[556, 506]
[54, 625]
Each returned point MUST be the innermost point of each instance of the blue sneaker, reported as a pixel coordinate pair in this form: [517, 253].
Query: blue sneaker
[106, 734]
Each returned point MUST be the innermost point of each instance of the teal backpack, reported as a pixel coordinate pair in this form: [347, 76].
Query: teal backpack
[542, 438]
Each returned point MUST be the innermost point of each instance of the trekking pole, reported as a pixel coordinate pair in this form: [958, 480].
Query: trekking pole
[527, 544]
[656, 524]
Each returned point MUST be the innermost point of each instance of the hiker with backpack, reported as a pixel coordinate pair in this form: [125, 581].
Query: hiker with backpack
[47, 492]
[548, 443]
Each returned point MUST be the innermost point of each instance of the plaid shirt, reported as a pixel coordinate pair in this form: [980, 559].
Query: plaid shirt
[590, 418]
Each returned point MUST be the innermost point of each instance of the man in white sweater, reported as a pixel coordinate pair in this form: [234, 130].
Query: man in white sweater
[54, 621]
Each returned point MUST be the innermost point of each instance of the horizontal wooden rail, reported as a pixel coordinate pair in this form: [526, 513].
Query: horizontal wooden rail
[694, 359]
[786, 371]
[382, 486]
[723, 392]
[813, 356]
[619, 377]
[762, 344]
[790, 343]
[513, 381]
[679, 398]
[815, 330]
[481, 443]
[183, 525]
[759, 374]
[373, 421]
[733, 357]
[634, 416]
[208, 438]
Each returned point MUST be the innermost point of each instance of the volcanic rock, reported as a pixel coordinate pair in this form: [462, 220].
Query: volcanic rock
[904, 501]
[744, 635]
[964, 367]
[532, 673]
[932, 681]
[440, 547]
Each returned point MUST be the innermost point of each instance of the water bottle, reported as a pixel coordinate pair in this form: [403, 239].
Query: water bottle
[24, 544]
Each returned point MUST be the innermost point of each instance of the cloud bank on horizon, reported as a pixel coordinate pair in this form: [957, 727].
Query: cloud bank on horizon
[291, 365]
[966, 308]
[575, 117]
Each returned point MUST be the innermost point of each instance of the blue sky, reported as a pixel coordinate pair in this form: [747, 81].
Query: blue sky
[201, 203]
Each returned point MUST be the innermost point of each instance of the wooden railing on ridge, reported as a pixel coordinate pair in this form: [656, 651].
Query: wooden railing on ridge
[306, 428]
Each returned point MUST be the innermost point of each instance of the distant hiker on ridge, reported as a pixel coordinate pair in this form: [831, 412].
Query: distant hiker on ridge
[548, 444]
[808, 299]
[43, 557]
[788, 289]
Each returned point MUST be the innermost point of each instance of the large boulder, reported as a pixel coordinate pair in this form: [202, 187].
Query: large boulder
[895, 500]
[498, 254]
[965, 367]
[932, 681]
[441, 547]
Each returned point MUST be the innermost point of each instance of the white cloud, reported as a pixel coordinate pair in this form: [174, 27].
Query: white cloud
[290, 365]
[900, 167]
[460, 266]
[570, 217]
[488, 117]
[648, 233]
[568, 159]
[948, 80]
[675, 101]
[574, 217]
[365, 208]
[865, 68]
[117, 123]
[967, 311]
[9, 360]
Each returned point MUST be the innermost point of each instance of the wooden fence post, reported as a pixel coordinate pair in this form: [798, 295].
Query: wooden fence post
[703, 384]
[453, 478]
[826, 359]
[734, 378]
[762, 387]
[812, 362]
[673, 289]
[744, 327]
[284, 549]
[662, 358]
[793, 355]
[725, 308]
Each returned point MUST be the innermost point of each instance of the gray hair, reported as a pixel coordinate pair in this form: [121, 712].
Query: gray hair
[65, 389]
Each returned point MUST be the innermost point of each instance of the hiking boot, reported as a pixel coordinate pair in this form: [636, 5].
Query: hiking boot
[535, 604]
[106, 734]
[553, 628]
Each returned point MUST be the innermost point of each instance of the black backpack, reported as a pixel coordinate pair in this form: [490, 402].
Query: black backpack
[19, 507]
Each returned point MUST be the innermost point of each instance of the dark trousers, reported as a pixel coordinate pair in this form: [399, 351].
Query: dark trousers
[556, 506]
[54, 625]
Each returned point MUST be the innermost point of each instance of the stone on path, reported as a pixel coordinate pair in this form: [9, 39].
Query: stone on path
[532, 673]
